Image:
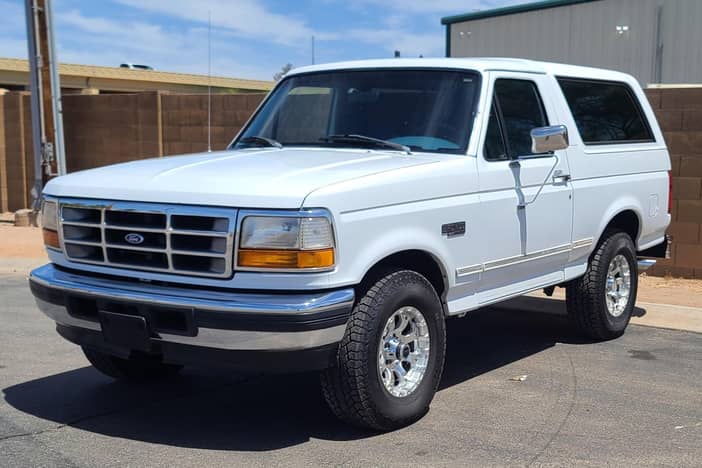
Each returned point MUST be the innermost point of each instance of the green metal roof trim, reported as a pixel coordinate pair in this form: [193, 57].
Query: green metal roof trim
[511, 10]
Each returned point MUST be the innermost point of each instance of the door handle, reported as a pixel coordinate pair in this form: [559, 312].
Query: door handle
[559, 177]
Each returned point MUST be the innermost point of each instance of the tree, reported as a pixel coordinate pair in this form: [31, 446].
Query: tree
[283, 71]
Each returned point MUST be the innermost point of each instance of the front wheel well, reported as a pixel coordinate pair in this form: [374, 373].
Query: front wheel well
[416, 260]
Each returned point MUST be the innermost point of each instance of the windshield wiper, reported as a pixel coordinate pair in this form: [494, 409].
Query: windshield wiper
[353, 138]
[261, 141]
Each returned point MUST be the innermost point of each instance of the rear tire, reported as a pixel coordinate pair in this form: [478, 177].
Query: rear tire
[601, 302]
[391, 357]
[138, 368]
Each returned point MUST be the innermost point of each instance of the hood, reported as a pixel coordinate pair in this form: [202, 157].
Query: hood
[250, 178]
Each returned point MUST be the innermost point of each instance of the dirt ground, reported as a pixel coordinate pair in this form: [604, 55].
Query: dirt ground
[26, 243]
[657, 290]
[20, 242]
[670, 291]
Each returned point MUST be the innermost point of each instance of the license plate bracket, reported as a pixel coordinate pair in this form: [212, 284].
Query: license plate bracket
[127, 331]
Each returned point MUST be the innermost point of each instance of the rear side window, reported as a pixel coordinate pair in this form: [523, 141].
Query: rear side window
[605, 112]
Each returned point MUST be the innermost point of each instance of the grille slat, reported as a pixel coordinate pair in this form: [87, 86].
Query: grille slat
[132, 229]
[199, 233]
[167, 238]
[196, 254]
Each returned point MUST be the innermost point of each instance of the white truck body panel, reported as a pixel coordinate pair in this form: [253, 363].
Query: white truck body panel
[384, 202]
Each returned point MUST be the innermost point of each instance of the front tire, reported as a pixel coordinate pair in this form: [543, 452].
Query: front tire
[601, 301]
[391, 357]
[137, 368]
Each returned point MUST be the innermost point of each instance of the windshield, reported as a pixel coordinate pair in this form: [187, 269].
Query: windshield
[424, 110]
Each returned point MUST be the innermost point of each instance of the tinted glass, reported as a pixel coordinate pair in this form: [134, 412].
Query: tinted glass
[516, 110]
[605, 112]
[494, 143]
[522, 111]
[427, 110]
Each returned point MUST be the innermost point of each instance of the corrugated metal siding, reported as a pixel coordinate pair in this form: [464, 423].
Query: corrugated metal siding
[682, 41]
[585, 34]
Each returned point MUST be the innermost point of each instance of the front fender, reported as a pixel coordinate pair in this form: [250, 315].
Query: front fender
[362, 251]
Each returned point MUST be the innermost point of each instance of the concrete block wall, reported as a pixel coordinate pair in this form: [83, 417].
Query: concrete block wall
[679, 112]
[110, 128]
[14, 173]
[184, 119]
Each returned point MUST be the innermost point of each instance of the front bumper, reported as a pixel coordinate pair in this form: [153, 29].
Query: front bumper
[194, 325]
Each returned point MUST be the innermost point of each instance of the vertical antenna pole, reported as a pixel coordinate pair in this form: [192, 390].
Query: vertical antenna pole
[313, 50]
[209, 81]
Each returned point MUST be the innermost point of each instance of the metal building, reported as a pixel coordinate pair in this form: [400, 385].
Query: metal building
[657, 41]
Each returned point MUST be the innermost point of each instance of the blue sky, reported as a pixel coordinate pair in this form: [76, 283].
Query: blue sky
[250, 38]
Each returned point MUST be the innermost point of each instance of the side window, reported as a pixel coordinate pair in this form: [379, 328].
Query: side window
[605, 112]
[516, 110]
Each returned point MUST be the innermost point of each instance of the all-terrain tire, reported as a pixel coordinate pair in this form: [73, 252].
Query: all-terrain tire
[586, 296]
[138, 368]
[353, 388]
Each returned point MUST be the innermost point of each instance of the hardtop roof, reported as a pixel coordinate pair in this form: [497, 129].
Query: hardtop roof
[480, 64]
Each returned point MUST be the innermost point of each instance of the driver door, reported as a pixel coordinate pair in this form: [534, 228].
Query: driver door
[525, 198]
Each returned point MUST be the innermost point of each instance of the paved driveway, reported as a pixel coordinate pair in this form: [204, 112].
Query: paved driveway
[633, 401]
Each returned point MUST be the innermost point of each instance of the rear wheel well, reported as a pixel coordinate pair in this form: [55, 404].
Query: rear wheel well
[627, 221]
[416, 260]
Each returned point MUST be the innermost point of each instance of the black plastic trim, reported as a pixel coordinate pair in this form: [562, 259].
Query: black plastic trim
[657, 251]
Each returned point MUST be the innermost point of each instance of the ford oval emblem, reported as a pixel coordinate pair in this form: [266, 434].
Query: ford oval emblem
[134, 238]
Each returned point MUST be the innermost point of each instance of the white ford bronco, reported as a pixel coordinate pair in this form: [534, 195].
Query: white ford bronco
[362, 205]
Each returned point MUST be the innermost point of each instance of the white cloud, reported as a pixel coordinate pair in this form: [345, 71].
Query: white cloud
[113, 42]
[247, 18]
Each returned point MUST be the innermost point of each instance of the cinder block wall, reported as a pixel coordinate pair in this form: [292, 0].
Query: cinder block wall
[13, 159]
[110, 128]
[679, 112]
[184, 119]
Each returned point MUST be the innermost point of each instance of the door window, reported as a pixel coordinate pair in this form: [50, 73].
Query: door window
[517, 108]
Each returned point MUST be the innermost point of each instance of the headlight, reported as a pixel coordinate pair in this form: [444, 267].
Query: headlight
[286, 242]
[49, 223]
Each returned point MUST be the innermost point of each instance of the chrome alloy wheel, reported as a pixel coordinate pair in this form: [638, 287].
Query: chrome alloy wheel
[403, 352]
[618, 285]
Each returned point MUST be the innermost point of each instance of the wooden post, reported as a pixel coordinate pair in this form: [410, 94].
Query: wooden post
[47, 123]
[46, 94]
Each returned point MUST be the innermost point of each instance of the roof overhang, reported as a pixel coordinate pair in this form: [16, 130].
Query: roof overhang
[511, 10]
[20, 67]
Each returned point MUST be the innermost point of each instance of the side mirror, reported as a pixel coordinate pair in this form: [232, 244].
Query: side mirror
[547, 139]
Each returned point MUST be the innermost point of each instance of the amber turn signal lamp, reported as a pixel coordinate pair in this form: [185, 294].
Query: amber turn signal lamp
[51, 238]
[289, 259]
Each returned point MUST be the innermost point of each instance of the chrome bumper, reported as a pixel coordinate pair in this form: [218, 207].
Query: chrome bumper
[217, 319]
[644, 264]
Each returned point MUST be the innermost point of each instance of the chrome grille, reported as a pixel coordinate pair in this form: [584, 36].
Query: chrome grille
[166, 238]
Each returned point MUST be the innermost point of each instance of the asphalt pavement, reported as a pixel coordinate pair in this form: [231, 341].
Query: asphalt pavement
[519, 389]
